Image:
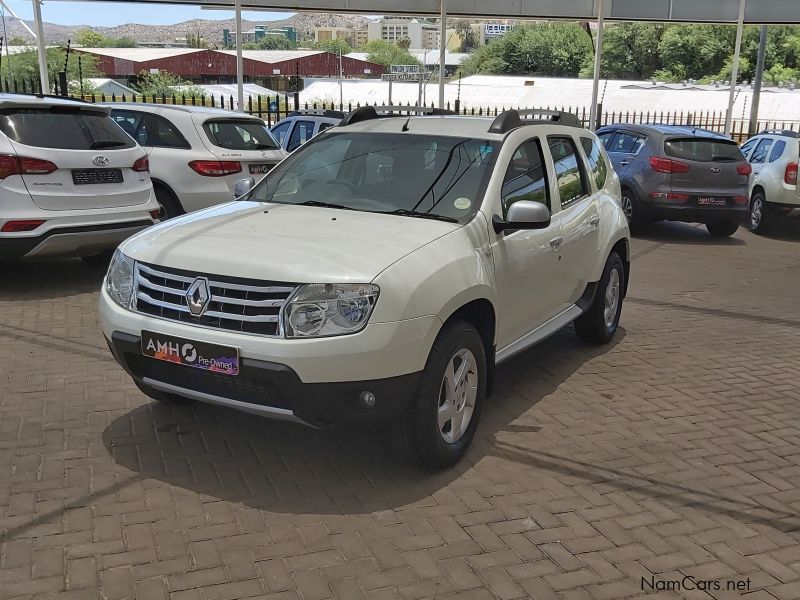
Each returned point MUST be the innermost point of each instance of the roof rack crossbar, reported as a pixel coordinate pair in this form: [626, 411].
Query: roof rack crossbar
[784, 132]
[367, 113]
[512, 119]
[319, 112]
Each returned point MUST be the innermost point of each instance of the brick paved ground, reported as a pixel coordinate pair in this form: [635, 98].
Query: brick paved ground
[674, 452]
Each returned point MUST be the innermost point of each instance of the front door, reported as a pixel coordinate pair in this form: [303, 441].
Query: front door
[527, 265]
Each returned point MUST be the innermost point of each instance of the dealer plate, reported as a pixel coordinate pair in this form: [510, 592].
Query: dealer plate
[190, 353]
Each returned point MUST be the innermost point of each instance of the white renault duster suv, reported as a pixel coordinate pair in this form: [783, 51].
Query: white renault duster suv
[71, 182]
[378, 275]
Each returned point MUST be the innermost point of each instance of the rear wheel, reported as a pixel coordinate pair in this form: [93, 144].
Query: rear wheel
[760, 214]
[723, 228]
[170, 207]
[440, 423]
[632, 209]
[599, 324]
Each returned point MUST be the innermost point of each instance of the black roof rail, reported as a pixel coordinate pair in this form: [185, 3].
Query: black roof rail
[367, 113]
[784, 132]
[318, 112]
[512, 119]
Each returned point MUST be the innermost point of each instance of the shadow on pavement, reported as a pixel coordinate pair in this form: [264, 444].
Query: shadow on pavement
[290, 468]
[37, 280]
[672, 232]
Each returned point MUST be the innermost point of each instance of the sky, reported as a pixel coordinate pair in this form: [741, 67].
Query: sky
[110, 14]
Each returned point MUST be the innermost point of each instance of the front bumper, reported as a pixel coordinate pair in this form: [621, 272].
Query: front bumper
[269, 389]
[71, 241]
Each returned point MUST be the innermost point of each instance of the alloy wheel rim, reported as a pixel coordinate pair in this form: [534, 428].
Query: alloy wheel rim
[457, 395]
[611, 299]
[755, 213]
[627, 207]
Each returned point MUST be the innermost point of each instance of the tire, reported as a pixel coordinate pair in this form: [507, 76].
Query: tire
[723, 229]
[599, 324]
[423, 436]
[170, 207]
[161, 396]
[99, 260]
[633, 211]
[761, 214]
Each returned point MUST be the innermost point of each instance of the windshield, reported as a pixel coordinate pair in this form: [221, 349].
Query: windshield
[240, 135]
[64, 128]
[397, 173]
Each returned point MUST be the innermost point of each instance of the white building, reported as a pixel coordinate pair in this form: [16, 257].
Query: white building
[423, 35]
[492, 31]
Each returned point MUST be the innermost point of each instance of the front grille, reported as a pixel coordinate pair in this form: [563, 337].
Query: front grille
[240, 305]
[91, 176]
[241, 388]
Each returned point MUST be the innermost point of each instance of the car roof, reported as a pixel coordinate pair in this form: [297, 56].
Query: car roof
[195, 110]
[43, 101]
[445, 125]
[666, 130]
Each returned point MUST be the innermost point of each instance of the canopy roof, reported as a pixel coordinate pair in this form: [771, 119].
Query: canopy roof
[691, 11]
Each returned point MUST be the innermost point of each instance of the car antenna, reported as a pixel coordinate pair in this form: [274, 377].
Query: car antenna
[405, 125]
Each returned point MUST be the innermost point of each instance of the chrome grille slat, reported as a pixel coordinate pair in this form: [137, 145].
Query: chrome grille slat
[235, 305]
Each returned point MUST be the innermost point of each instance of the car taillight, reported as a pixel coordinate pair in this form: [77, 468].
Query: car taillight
[141, 165]
[744, 169]
[667, 165]
[24, 165]
[790, 175]
[216, 168]
[19, 226]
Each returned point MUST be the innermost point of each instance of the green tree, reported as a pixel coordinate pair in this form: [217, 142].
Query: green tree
[334, 46]
[25, 67]
[465, 31]
[163, 83]
[90, 39]
[404, 43]
[630, 51]
[18, 41]
[696, 51]
[276, 42]
[387, 54]
[557, 49]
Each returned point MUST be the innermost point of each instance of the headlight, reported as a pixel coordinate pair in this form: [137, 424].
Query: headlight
[327, 309]
[119, 279]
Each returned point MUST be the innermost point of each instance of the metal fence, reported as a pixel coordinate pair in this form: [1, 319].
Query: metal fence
[274, 108]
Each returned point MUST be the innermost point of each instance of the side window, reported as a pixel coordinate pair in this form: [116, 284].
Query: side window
[526, 177]
[606, 138]
[777, 151]
[324, 126]
[127, 120]
[627, 143]
[570, 172]
[302, 132]
[761, 152]
[597, 163]
[159, 132]
[748, 146]
[280, 131]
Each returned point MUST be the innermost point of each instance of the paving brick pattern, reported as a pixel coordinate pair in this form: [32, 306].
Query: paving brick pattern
[674, 452]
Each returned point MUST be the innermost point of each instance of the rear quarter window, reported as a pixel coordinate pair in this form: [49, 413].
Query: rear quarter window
[64, 128]
[777, 151]
[703, 150]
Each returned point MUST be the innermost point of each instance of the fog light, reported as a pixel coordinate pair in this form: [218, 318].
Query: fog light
[367, 400]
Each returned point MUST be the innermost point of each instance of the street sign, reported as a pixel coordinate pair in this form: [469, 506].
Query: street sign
[273, 106]
[404, 69]
[402, 76]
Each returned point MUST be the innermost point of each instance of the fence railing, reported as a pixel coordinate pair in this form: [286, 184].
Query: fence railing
[274, 108]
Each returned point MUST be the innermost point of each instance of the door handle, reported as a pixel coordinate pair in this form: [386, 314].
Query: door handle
[594, 221]
[556, 242]
[624, 163]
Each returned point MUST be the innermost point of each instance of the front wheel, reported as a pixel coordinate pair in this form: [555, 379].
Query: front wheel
[599, 324]
[724, 228]
[440, 423]
[760, 214]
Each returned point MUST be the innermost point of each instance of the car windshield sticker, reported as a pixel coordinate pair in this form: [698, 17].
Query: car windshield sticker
[462, 203]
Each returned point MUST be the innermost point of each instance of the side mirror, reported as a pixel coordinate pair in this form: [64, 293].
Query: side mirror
[243, 187]
[523, 215]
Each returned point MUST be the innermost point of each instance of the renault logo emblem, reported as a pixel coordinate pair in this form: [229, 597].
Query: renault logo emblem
[100, 161]
[198, 296]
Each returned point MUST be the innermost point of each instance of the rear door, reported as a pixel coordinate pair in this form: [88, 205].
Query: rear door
[760, 154]
[244, 141]
[707, 170]
[75, 158]
[623, 148]
[302, 132]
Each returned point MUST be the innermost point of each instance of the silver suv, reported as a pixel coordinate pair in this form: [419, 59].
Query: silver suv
[679, 174]
[773, 189]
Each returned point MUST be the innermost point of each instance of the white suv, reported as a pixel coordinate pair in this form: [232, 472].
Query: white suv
[773, 187]
[71, 182]
[197, 153]
[378, 275]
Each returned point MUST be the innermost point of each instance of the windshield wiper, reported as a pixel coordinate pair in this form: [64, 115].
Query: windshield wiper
[404, 212]
[323, 204]
[99, 144]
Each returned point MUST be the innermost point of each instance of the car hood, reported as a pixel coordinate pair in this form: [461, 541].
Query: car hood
[280, 242]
